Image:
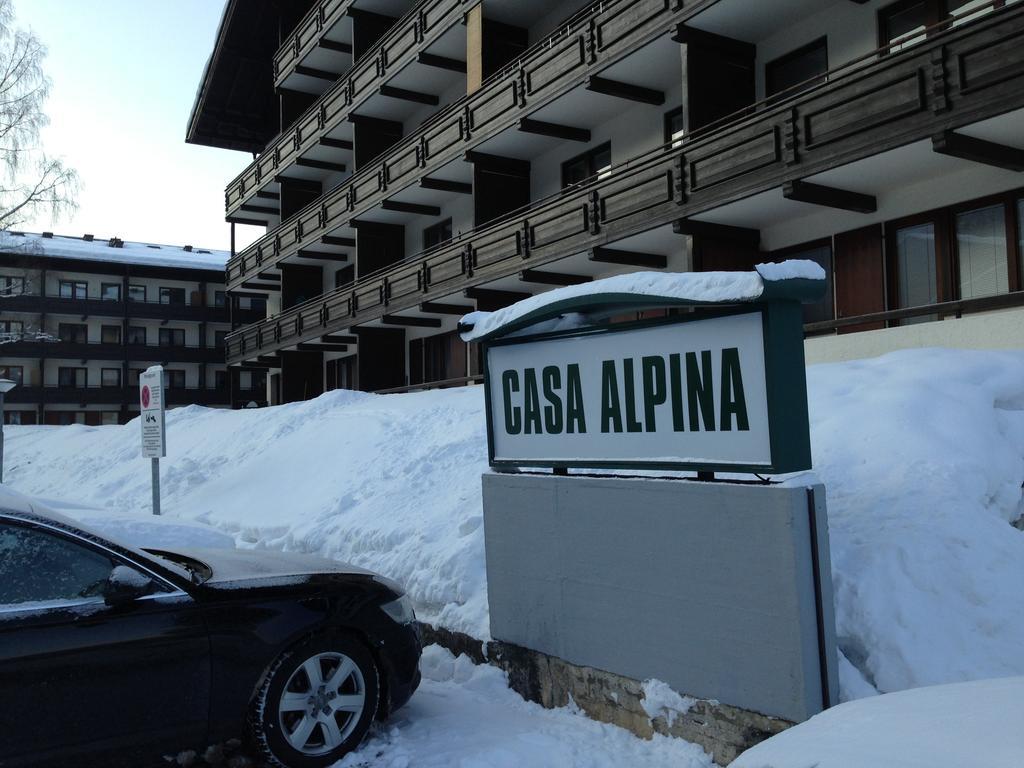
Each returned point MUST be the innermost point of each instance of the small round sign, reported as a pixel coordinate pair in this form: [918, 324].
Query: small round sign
[145, 396]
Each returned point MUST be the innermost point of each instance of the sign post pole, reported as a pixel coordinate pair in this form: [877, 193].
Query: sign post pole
[154, 440]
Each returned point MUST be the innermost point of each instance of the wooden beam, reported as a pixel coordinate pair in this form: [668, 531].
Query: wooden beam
[259, 209]
[726, 45]
[624, 90]
[319, 74]
[406, 95]
[417, 208]
[830, 197]
[628, 258]
[437, 308]
[413, 322]
[302, 185]
[312, 347]
[552, 278]
[264, 288]
[725, 232]
[324, 255]
[322, 165]
[498, 164]
[445, 185]
[268, 195]
[441, 62]
[269, 360]
[506, 297]
[327, 141]
[541, 128]
[344, 242]
[339, 338]
[269, 276]
[246, 220]
[978, 150]
[334, 45]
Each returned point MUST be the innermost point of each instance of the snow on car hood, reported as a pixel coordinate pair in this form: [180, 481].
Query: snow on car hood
[242, 568]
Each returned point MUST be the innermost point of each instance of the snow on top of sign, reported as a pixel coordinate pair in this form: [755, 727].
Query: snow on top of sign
[98, 249]
[695, 287]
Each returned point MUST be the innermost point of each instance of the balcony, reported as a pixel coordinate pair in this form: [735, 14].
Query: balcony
[300, 150]
[961, 77]
[154, 310]
[70, 350]
[97, 395]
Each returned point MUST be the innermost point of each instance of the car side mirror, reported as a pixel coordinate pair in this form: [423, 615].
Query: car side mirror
[125, 585]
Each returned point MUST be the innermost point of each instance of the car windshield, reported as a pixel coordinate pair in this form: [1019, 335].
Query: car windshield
[198, 571]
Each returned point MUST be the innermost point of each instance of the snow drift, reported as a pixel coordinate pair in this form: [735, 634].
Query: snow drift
[922, 453]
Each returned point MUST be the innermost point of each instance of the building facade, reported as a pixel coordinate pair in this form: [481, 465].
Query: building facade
[80, 318]
[416, 161]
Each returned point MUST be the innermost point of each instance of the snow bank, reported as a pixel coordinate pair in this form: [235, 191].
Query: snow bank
[465, 715]
[922, 453]
[945, 726]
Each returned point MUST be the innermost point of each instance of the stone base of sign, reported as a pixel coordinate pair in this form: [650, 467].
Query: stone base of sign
[709, 587]
[723, 731]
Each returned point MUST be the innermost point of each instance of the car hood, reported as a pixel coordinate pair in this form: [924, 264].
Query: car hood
[242, 568]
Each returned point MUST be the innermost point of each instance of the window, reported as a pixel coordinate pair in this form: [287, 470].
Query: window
[15, 373]
[73, 332]
[252, 380]
[437, 234]
[19, 417]
[674, 126]
[219, 338]
[220, 379]
[172, 295]
[109, 417]
[37, 566]
[172, 337]
[110, 334]
[220, 299]
[136, 293]
[136, 334]
[982, 257]
[174, 379]
[917, 281]
[63, 418]
[110, 291]
[74, 378]
[12, 329]
[804, 67]
[11, 286]
[110, 377]
[594, 162]
[74, 289]
[133, 376]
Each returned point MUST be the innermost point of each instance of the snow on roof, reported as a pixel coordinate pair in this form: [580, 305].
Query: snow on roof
[637, 288]
[98, 249]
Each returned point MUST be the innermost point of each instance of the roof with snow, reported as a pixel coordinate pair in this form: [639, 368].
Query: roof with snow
[113, 250]
[794, 280]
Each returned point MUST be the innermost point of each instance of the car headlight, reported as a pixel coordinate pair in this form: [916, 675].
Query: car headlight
[400, 610]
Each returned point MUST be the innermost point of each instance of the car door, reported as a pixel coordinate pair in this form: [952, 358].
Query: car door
[79, 676]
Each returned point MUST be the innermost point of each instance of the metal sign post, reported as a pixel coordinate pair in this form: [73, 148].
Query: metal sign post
[154, 440]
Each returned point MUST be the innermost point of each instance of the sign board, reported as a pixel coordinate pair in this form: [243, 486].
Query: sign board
[151, 403]
[722, 391]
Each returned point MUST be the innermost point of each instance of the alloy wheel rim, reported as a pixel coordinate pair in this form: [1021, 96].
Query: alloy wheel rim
[321, 703]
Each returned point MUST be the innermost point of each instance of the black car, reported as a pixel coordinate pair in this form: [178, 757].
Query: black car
[114, 656]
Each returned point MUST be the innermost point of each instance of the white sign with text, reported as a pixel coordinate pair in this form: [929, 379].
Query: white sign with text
[151, 403]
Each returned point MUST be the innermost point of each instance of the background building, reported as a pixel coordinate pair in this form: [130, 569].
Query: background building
[81, 317]
[415, 161]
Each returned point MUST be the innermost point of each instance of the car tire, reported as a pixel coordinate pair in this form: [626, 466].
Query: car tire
[316, 702]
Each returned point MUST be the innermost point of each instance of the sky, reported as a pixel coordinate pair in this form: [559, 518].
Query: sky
[124, 76]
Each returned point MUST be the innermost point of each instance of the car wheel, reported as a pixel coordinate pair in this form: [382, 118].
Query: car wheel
[316, 703]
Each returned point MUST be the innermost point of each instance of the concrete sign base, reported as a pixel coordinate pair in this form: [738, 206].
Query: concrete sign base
[713, 588]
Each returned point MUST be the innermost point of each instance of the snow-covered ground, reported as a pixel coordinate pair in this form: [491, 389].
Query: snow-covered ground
[922, 453]
[961, 724]
[466, 716]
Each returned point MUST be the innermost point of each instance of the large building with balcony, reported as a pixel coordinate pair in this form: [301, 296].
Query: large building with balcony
[415, 161]
[80, 317]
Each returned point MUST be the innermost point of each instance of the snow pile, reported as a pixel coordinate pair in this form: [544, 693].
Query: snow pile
[661, 701]
[922, 453]
[465, 715]
[945, 726]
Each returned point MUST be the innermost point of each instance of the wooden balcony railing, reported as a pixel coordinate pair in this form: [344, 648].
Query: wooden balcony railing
[321, 17]
[416, 30]
[957, 77]
[604, 33]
